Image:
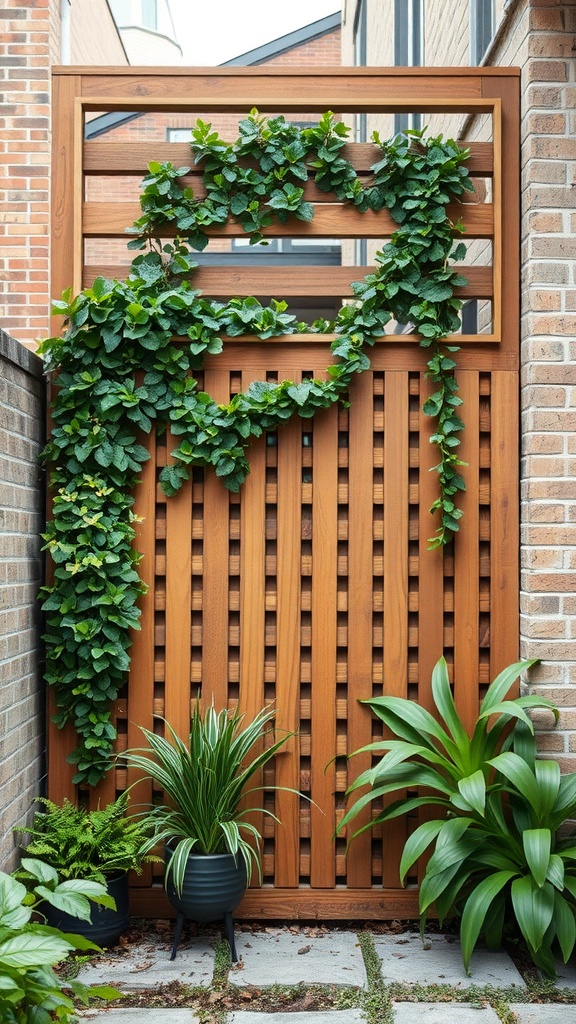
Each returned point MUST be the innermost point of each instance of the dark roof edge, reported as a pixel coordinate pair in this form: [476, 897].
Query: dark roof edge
[260, 55]
[103, 123]
[275, 47]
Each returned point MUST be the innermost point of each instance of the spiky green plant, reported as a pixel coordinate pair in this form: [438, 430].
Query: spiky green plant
[444, 758]
[205, 781]
[497, 856]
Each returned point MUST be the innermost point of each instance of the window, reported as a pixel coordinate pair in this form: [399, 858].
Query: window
[178, 135]
[360, 58]
[150, 14]
[408, 49]
[481, 28]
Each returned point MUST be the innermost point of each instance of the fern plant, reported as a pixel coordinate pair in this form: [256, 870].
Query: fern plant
[89, 844]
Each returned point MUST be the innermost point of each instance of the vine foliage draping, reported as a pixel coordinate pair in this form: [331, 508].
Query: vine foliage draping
[121, 372]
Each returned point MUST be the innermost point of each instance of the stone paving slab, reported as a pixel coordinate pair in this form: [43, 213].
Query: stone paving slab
[446, 1013]
[566, 975]
[437, 961]
[309, 1017]
[543, 1013]
[148, 964]
[277, 957]
[135, 1015]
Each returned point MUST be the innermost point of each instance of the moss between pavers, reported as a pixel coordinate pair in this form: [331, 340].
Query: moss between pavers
[213, 1005]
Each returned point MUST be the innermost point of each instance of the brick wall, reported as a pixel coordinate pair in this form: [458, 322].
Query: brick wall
[24, 162]
[539, 36]
[29, 45]
[21, 519]
[548, 586]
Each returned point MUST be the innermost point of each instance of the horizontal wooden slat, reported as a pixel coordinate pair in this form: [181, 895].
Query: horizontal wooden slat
[331, 220]
[133, 157]
[300, 904]
[326, 90]
[285, 282]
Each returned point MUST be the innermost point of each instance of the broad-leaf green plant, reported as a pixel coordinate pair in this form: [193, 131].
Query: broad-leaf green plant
[204, 782]
[30, 990]
[497, 856]
[89, 844]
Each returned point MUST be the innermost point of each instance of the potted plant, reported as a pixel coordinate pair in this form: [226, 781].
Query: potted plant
[211, 846]
[100, 846]
[30, 990]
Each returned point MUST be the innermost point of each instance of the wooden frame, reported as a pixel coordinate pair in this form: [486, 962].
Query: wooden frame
[313, 586]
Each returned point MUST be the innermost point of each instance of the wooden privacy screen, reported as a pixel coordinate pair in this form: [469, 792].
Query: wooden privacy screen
[313, 587]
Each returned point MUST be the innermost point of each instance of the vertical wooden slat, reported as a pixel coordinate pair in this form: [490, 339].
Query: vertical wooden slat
[508, 89]
[66, 186]
[497, 240]
[252, 597]
[396, 533]
[178, 607]
[64, 239]
[504, 545]
[467, 559]
[288, 599]
[60, 743]
[395, 623]
[215, 569]
[141, 680]
[324, 579]
[430, 578]
[430, 563]
[360, 555]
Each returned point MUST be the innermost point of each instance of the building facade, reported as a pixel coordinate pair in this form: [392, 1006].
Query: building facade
[538, 36]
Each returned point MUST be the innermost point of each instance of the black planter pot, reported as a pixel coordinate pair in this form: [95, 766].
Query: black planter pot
[214, 885]
[105, 926]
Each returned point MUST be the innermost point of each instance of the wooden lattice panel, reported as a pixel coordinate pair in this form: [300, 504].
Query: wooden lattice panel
[313, 587]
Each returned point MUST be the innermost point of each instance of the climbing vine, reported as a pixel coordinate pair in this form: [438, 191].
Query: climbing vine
[120, 370]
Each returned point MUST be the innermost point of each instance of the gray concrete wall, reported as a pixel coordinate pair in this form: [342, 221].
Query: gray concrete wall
[22, 516]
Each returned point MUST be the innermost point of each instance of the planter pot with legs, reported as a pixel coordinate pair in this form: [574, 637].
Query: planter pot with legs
[105, 926]
[214, 885]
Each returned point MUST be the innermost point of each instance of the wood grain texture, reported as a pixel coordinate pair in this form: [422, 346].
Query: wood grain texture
[323, 718]
[430, 563]
[504, 547]
[507, 199]
[253, 601]
[288, 640]
[215, 569]
[141, 679]
[178, 602]
[331, 220]
[360, 601]
[467, 560]
[110, 157]
[226, 281]
[395, 573]
[66, 229]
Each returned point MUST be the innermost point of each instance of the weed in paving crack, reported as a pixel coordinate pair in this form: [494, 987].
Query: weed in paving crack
[222, 964]
[377, 1004]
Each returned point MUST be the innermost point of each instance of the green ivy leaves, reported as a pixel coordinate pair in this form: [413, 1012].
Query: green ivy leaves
[120, 371]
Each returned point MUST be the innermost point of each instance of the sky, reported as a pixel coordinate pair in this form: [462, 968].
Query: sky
[213, 31]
